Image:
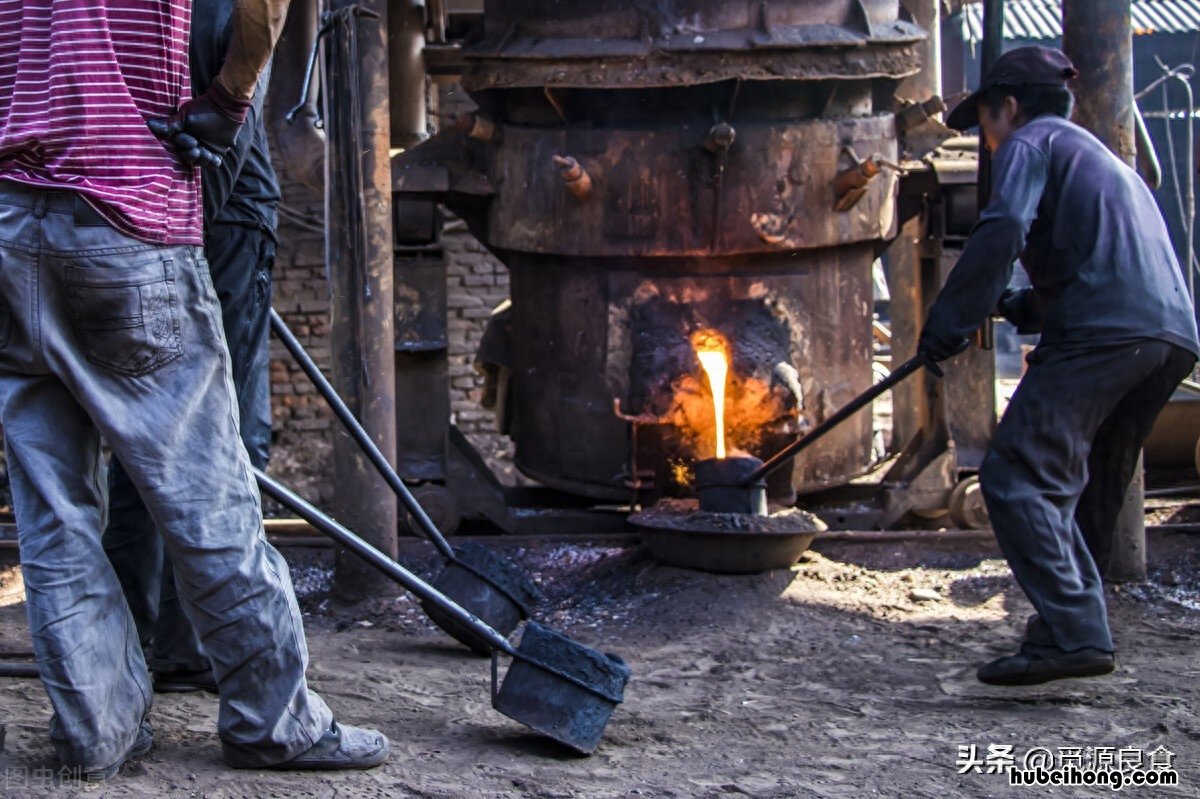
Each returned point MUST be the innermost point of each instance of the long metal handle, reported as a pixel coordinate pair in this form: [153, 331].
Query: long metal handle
[854, 406]
[309, 69]
[19, 669]
[356, 431]
[423, 590]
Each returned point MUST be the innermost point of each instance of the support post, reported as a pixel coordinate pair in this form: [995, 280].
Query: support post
[358, 258]
[406, 64]
[927, 83]
[992, 49]
[421, 337]
[1098, 38]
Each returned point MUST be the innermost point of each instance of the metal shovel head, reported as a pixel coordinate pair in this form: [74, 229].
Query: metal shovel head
[561, 688]
[490, 587]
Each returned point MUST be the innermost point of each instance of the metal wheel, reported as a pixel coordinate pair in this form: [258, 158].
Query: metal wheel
[929, 514]
[967, 508]
[441, 505]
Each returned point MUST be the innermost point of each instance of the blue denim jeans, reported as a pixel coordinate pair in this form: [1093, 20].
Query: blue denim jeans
[240, 259]
[103, 336]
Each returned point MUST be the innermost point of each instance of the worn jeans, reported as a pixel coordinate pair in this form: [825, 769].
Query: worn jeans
[103, 336]
[1055, 476]
[240, 260]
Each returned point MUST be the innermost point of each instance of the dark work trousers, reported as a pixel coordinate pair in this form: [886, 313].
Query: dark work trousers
[1057, 470]
[240, 259]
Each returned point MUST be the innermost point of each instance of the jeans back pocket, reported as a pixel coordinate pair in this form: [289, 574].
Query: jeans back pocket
[6, 320]
[5, 323]
[126, 312]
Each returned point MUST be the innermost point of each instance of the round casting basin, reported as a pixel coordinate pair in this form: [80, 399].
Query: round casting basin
[678, 533]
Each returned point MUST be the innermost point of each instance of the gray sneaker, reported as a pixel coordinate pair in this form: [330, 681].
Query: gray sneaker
[341, 747]
[141, 745]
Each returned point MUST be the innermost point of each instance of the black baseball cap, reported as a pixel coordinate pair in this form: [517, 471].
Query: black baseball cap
[1024, 66]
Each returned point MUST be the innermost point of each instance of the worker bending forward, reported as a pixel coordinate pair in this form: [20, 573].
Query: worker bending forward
[1118, 334]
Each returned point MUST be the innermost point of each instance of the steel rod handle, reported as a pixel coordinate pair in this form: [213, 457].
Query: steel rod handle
[414, 584]
[898, 375]
[360, 436]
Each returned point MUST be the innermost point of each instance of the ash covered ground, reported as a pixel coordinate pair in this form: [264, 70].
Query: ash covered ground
[850, 675]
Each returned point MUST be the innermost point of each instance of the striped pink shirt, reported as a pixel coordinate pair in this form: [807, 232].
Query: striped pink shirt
[78, 80]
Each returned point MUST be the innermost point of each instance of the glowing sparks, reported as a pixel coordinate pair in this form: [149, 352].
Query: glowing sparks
[716, 365]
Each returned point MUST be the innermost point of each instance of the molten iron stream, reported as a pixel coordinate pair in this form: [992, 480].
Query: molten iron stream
[716, 366]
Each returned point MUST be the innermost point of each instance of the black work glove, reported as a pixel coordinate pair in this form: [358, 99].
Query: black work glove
[1019, 307]
[204, 128]
[933, 348]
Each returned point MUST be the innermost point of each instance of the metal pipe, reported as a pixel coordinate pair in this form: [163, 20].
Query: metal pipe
[991, 49]
[356, 431]
[1190, 199]
[358, 255]
[406, 67]
[379, 561]
[926, 84]
[1098, 38]
[1148, 165]
[1187, 209]
[19, 670]
[297, 143]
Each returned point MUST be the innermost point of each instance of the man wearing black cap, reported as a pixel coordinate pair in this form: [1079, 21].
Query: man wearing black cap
[1118, 333]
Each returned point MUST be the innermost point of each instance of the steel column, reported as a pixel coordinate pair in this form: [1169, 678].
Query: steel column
[991, 50]
[1098, 38]
[359, 252]
[927, 83]
[406, 41]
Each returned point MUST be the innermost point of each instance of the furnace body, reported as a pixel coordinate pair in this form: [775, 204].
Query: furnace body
[654, 172]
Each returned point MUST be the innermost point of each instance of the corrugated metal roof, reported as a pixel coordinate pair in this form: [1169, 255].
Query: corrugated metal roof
[1042, 19]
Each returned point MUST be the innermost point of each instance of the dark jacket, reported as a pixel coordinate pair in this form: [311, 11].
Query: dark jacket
[1089, 234]
[243, 190]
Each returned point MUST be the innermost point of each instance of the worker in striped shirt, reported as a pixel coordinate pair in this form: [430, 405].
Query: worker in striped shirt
[240, 201]
[110, 329]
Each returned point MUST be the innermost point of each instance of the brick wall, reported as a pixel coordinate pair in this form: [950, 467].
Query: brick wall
[477, 283]
[301, 421]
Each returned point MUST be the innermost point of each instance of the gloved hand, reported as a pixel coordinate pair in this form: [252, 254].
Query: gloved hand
[1020, 308]
[935, 349]
[1009, 304]
[204, 128]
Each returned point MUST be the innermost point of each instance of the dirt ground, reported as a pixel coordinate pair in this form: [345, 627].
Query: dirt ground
[833, 679]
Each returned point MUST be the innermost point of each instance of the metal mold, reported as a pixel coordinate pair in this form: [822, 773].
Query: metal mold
[560, 688]
[489, 586]
[721, 485]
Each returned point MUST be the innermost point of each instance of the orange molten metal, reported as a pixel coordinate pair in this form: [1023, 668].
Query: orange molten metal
[710, 349]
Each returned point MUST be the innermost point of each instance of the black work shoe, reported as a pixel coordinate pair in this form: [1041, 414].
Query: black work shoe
[141, 745]
[341, 747]
[1026, 668]
[182, 682]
